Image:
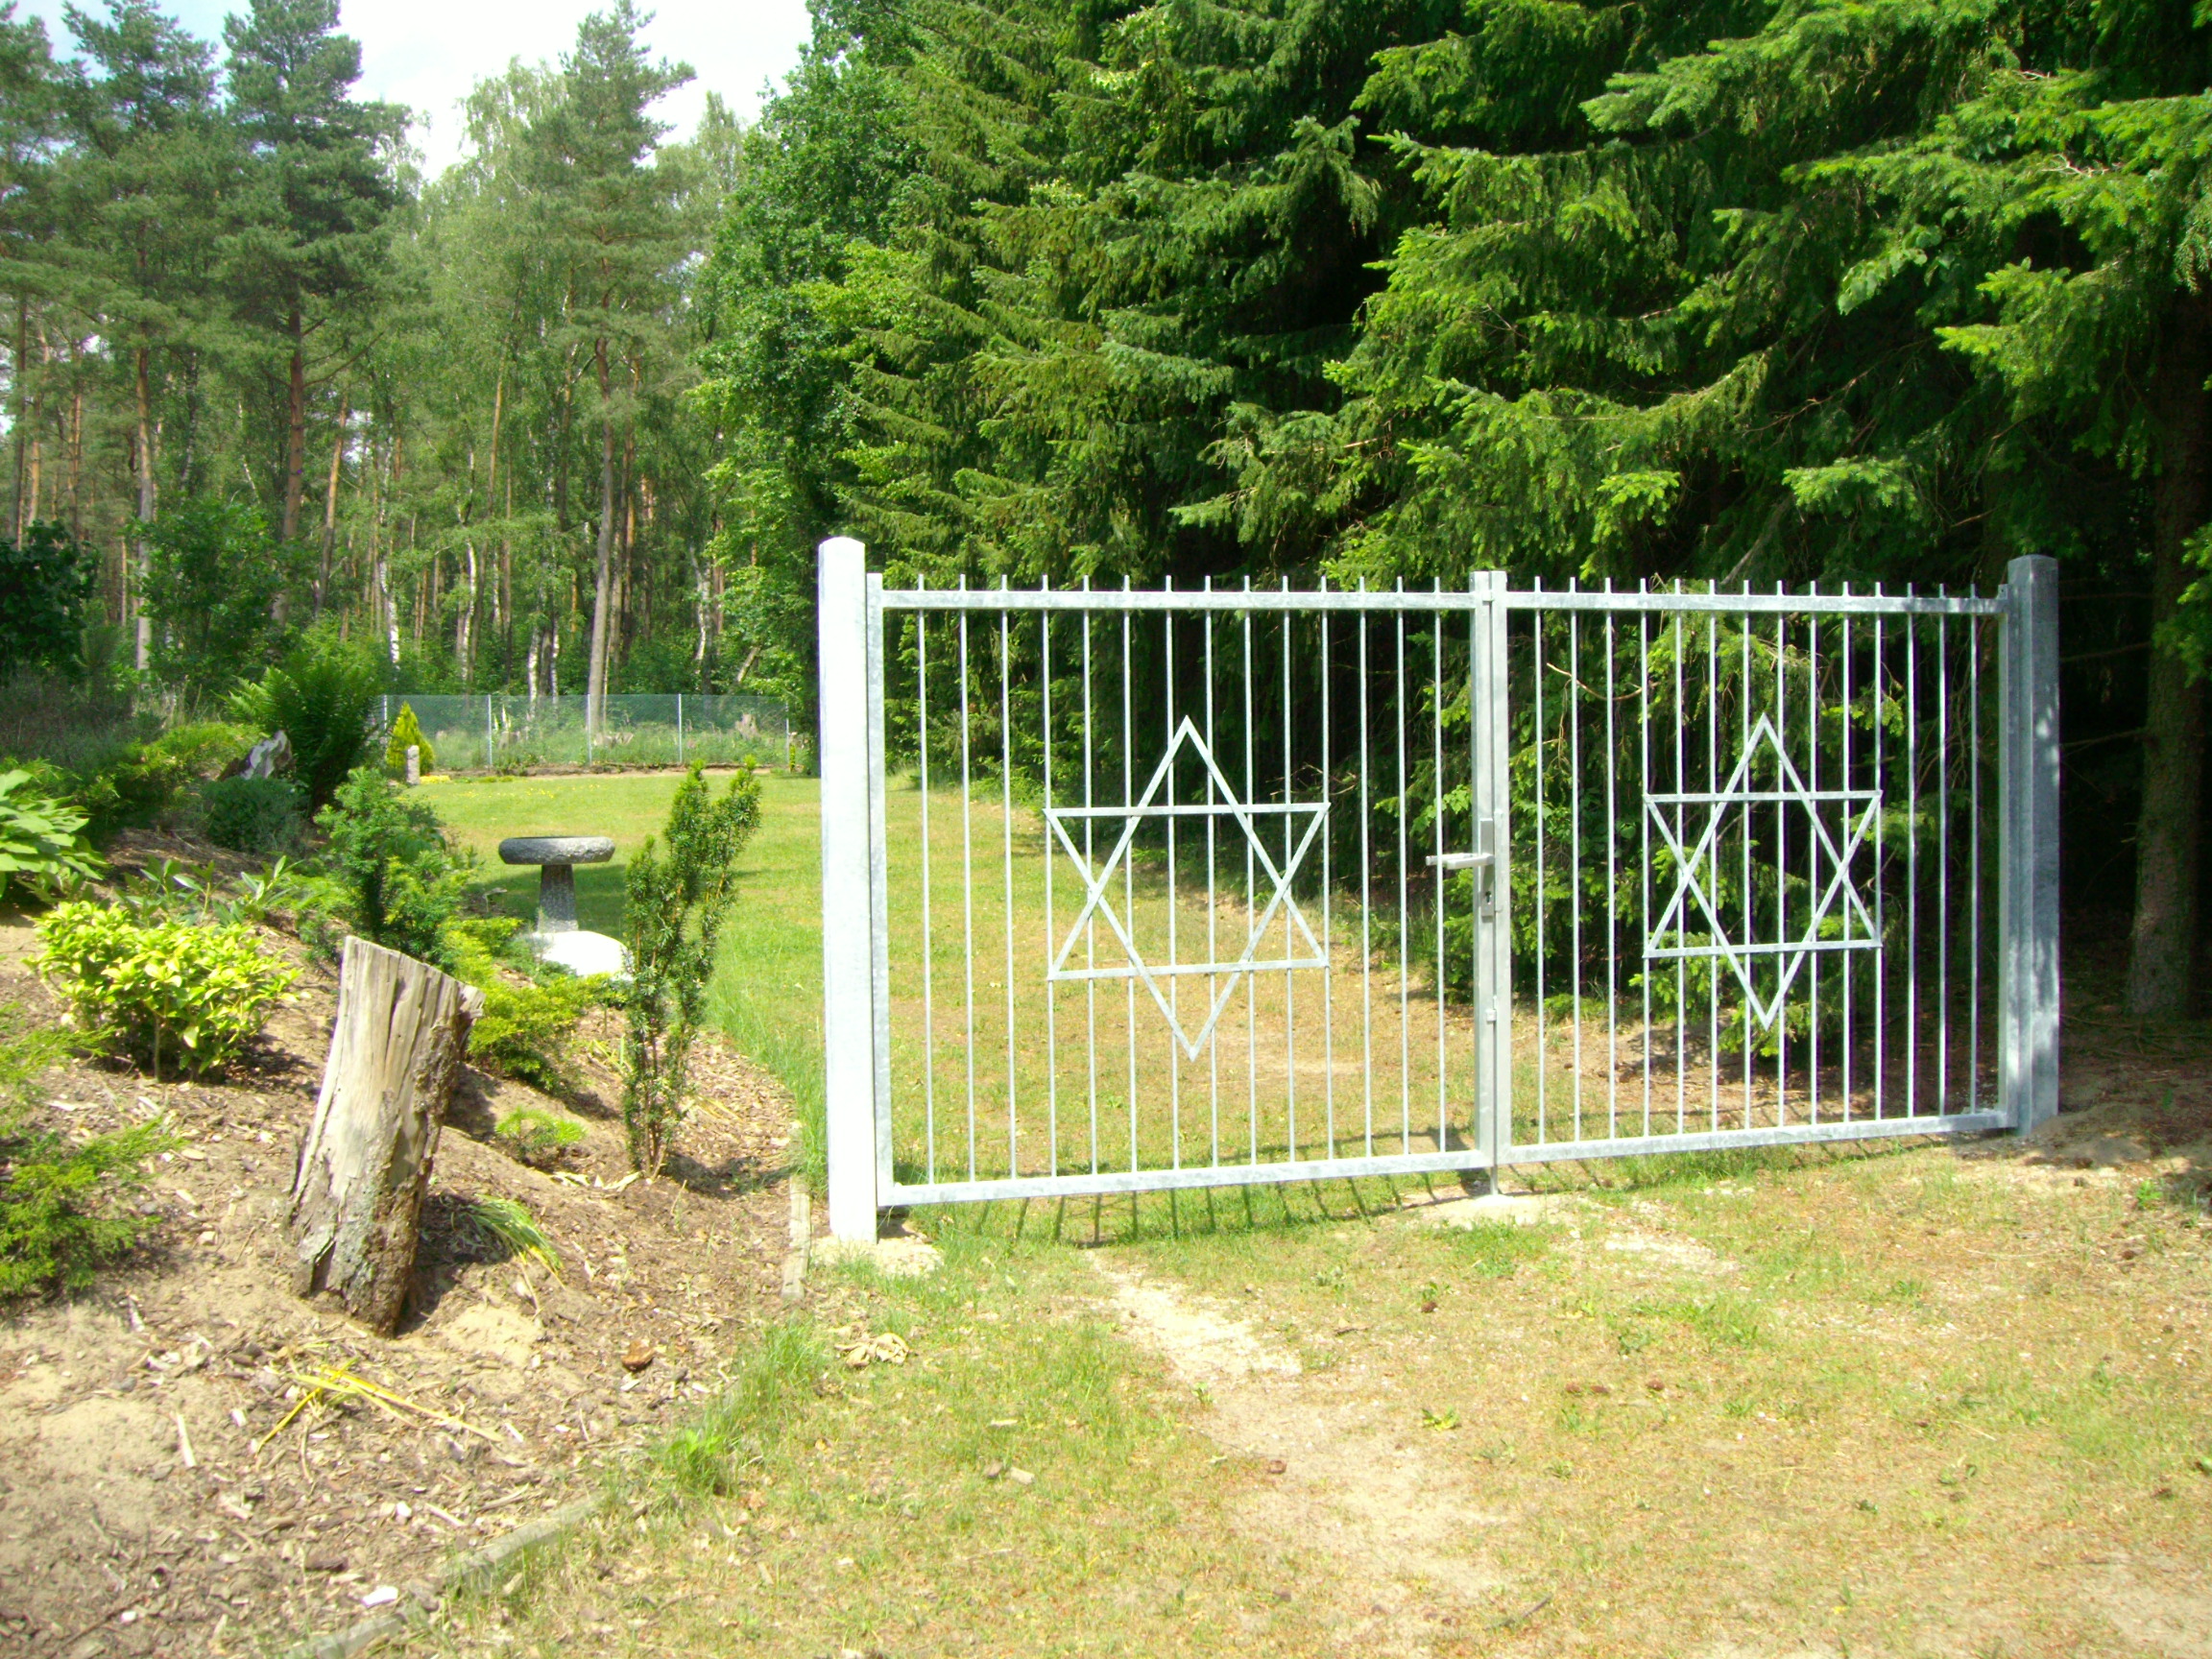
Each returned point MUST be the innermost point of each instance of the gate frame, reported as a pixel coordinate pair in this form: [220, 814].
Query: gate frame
[856, 1016]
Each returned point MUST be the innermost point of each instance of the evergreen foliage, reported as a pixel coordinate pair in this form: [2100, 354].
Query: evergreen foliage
[674, 904]
[401, 876]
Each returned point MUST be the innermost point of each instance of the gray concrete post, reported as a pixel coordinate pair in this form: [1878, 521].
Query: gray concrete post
[848, 989]
[2028, 767]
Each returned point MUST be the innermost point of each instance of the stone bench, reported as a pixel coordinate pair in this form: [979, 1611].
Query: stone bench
[558, 939]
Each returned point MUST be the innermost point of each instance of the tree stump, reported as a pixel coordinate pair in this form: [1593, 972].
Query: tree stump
[357, 1194]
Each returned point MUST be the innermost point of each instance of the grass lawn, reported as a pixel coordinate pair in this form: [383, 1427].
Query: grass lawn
[1931, 1400]
[768, 993]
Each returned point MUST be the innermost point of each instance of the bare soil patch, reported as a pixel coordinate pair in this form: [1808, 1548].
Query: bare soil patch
[115, 1538]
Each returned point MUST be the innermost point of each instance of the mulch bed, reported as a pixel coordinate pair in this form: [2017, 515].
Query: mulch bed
[169, 1479]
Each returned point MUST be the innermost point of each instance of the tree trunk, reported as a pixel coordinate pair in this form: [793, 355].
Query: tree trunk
[2168, 839]
[357, 1194]
[146, 498]
[296, 436]
[331, 504]
[595, 676]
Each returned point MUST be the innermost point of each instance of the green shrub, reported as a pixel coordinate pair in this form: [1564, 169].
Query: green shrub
[539, 1139]
[673, 911]
[407, 734]
[402, 879]
[196, 992]
[320, 697]
[61, 1205]
[252, 814]
[524, 1029]
[44, 581]
[43, 848]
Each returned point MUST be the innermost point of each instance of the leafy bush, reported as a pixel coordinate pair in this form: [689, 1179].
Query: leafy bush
[320, 697]
[44, 581]
[252, 814]
[62, 1209]
[402, 878]
[407, 734]
[211, 588]
[539, 1139]
[200, 992]
[43, 848]
[524, 1029]
[674, 909]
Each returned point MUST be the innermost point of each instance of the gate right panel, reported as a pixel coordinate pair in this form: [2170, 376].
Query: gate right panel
[1754, 852]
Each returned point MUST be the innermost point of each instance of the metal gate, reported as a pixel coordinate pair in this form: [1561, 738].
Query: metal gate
[1134, 889]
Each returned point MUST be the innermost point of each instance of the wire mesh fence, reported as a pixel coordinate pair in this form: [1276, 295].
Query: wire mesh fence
[494, 732]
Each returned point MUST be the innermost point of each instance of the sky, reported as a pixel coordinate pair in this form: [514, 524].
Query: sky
[427, 54]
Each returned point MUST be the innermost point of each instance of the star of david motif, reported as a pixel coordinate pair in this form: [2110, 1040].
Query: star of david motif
[1221, 803]
[1700, 862]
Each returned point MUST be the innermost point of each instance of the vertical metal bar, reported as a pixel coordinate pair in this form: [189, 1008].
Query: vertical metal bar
[2028, 848]
[1051, 986]
[1813, 863]
[1612, 888]
[1251, 910]
[968, 889]
[1712, 785]
[1006, 871]
[1129, 876]
[1911, 864]
[1090, 873]
[1877, 684]
[1366, 906]
[1751, 933]
[1849, 971]
[1680, 723]
[1542, 896]
[1781, 865]
[1212, 907]
[1174, 980]
[929, 949]
[491, 740]
[1405, 967]
[1328, 901]
[1974, 637]
[678, 726]
[879, 885]
[847, 1014]
[1572, 697]
[1290, 985]
[1942, 861]
[1644, 822]
[1436, 839]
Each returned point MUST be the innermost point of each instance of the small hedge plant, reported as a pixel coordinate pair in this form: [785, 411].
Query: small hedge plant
[63, 1205]
[524, 1029]
[252, 814]
[406, 734]
[539, 1139]
[196, 993]
[402, 878]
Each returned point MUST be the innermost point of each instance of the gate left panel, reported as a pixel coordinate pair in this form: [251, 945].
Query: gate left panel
[1181, 888]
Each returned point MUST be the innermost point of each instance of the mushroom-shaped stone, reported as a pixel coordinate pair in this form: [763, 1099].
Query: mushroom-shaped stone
[557, 856]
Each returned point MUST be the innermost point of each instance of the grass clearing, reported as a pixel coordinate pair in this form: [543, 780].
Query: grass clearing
[1914, 1400]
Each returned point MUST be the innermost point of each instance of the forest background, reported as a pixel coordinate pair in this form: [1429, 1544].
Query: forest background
[1888, 291]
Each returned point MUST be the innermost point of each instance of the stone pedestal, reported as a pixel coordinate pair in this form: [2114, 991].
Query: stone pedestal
[557, 939]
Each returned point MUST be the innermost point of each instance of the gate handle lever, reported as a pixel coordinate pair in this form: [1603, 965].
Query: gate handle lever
[1460, 860]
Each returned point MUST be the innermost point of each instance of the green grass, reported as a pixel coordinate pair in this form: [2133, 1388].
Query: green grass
[767, 994]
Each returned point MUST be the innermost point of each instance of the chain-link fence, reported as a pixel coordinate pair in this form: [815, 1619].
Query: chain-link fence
[494, 730]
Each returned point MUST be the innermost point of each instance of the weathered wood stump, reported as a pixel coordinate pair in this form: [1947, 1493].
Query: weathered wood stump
[357, 1194]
